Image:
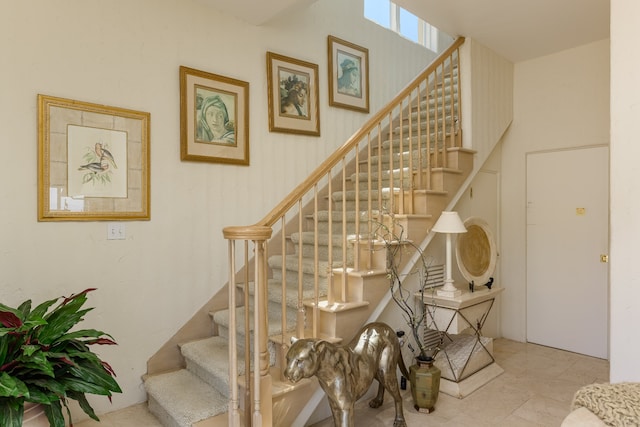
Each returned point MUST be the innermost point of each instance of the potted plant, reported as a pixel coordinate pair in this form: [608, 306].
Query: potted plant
[407, 291]
[42, 361]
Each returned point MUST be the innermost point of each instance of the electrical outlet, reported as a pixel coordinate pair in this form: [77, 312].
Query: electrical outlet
[116, 231]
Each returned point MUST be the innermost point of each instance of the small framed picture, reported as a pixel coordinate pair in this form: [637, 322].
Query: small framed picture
[348, 75]
[293, 95]
[93, 162]
[214, 118]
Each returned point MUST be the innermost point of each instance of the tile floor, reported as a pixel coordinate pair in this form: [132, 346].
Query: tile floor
[535, 390]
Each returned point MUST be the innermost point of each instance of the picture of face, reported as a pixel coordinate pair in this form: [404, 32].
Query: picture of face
[294, 91]
[214, 123]
[349, 76]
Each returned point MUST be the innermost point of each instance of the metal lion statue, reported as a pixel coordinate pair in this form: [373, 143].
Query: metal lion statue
[345, 372]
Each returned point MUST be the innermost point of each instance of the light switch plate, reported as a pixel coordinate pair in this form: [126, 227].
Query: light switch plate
[116, 231]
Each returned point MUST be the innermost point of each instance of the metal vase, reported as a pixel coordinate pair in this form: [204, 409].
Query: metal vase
[425, 384]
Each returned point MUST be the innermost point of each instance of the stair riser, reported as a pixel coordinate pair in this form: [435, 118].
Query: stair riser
[219, 383]
[462, 160]
[330, 321]
[161, 414]
[425, 204]
[201, 372]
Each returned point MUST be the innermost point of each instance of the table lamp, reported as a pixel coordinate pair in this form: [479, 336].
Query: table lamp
[449, 223]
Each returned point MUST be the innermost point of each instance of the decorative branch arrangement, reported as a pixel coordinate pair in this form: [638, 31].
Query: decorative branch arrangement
[408, 289]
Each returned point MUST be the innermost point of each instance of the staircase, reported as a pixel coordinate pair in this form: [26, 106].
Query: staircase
[316, 265]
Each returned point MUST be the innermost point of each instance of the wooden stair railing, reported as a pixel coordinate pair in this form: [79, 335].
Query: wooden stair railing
[328, 225]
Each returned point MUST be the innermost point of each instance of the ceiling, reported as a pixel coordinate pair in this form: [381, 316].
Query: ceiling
[516, 29]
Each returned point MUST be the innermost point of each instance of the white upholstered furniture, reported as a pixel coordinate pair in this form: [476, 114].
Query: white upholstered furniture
[597, 405]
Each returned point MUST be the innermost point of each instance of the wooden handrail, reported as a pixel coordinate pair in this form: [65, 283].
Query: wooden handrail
[272, 217]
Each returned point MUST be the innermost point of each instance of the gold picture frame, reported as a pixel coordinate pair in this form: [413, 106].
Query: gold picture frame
[348, 75]
[214, 118]
[293, 92]
[93, 162]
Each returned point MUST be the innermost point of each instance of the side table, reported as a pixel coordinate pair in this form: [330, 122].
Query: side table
[466, 359]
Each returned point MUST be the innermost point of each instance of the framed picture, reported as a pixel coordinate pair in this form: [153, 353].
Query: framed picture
[214, 118]
[348, 75]
[93, 162]
[293, 95]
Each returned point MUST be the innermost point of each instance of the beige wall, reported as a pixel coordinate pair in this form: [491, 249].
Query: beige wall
[126, 53]
[624, 267]
[560, 101]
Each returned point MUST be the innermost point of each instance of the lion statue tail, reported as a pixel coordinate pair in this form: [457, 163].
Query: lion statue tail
[403, 367]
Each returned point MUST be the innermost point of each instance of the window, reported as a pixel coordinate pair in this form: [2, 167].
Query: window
[378, 11]
[389, 15]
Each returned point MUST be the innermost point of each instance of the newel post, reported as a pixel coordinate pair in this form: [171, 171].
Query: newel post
[261, 393]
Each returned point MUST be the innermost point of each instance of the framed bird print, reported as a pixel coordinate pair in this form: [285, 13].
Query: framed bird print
[93, 162]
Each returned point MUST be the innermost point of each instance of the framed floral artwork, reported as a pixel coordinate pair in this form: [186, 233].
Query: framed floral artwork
[93, 162]
[214, 118]
[348, 75]
[293, 95]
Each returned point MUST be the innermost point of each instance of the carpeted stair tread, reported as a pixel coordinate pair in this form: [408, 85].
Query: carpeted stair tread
[336, 216]
[274, 291]
[209, 360]
[275, 325]
[417, 155]
[309, 238]
[337, 196]
[386, 175]
[274, 294]
[405, 130]
[184, 397]
[308, 265]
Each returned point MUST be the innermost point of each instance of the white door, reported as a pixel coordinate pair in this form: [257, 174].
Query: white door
[567, 233]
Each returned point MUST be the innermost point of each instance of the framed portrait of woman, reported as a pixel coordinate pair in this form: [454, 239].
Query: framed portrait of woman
[293, 95]
[348, 75]
[214, 118]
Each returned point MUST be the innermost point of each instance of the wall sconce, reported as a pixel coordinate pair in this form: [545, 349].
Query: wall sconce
[449, 223]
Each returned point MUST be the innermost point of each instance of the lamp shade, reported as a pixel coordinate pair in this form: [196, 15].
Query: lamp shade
[449, 222]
